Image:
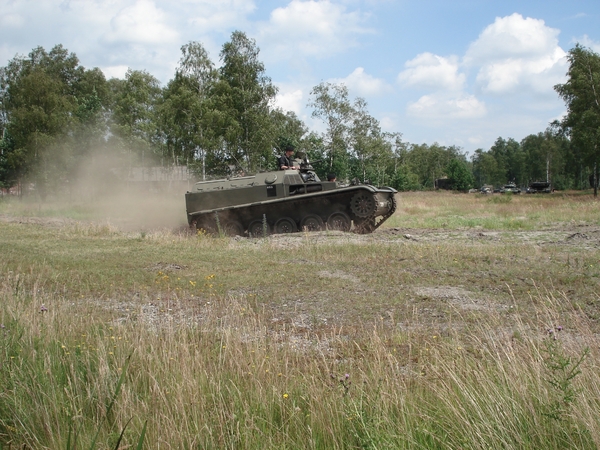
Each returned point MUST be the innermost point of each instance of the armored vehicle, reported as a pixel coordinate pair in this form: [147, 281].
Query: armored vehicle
[536, 187]
[286, 201]
[510, 188]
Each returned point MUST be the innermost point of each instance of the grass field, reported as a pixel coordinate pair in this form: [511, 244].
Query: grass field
[465, 321]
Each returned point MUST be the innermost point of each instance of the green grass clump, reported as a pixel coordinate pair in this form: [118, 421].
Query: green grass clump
[500, 199]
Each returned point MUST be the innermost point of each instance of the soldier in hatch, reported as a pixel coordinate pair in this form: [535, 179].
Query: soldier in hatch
[286, 161]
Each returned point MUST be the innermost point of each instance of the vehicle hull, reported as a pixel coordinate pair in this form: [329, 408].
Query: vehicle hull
[284, 202]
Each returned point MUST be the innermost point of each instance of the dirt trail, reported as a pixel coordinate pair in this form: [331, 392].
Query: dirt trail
[584, 236]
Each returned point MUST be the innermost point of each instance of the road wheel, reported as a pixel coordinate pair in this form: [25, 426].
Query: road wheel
[205, 226]
[233, 228]
[285, 225]
[312, 222]
[257, 229]
[339, 221]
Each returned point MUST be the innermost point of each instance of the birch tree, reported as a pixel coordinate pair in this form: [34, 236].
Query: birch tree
[581, 94]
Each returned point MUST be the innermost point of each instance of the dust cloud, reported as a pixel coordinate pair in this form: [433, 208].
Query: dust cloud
[126, 192]
[134, 196]
[132, 210]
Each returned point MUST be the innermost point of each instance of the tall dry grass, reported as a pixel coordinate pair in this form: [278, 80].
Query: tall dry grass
[223, 377]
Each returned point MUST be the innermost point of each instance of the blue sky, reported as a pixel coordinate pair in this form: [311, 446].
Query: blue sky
[461, 72]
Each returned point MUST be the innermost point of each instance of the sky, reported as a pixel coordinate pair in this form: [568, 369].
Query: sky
[452, 72]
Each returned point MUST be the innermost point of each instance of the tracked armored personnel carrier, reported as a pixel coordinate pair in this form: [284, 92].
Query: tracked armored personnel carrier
[537, 187]
[286, 201]
[510, 188]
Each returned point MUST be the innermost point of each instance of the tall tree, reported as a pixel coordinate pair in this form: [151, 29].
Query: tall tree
[486, 169]
[331, 104]
[185, 110]
[545, 159]
[289, 130]
[134, 113]
[402, 178]
[242, 97]
[41, 97]
[511, 160]
[460, 174]
[581, 94]
[429, 162]
[370, 149]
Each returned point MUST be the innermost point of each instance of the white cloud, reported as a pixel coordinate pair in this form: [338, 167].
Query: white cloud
[312, 28]
[142, 23]
[536, 74]
[589, 43]
[290, 100]
[11, 20]
[388, 123]
[219, 15]
[112, 34]
[362, 84]
[436, 106]
[511, 37]
[515, 54]
[429, 71]
[475, 140]
[578, 16]
[115, 71]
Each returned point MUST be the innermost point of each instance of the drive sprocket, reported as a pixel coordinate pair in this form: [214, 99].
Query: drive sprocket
[363, 204]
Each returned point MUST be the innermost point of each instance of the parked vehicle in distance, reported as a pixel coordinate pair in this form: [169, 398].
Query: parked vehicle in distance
[487, 189]
[510, 188]
[539, 187]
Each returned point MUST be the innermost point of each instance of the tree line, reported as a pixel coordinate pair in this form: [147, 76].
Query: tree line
[56, 116]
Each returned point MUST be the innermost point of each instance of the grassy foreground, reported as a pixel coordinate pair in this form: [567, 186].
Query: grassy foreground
[468, 322]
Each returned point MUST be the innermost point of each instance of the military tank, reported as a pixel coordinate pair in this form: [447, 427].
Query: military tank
[286, 201]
